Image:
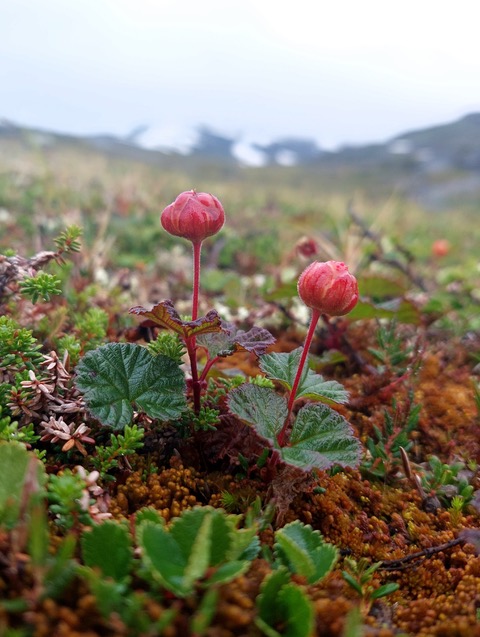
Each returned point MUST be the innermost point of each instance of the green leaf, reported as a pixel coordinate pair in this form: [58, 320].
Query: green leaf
[205, 612]
[297, 610]
[120, 377]
[62, 568]
[386, 589]
[259, 407]
[282, 367]
[400, 309]
[321, 438]
[163, 558]
[380, 287]
[351, 581]
[108, 546]
[304, 551]
[267, 607]
[165, 315]
[200, 538]
[285, 604]
[22, 477]
[226, 572]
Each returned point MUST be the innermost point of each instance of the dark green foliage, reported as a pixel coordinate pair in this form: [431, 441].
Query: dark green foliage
[285, 606]
[302, 550]
[119, 377]
[108, 547]
[106, 458]
[41, 286]
[320, 437]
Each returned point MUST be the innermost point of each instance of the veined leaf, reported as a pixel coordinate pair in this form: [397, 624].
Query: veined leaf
[285, 604]
[303, 551]
[108, 546]
[165, 315]
[179, 556]
[260, 407]
[321, 438]
[231, 340]
[282, 367]
[120, 377]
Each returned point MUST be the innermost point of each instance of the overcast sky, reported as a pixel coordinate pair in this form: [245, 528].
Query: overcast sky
[337, 71]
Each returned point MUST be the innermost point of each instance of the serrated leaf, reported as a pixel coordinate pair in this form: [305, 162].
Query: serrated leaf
[232, 339]
[108, 546]
[321, 438]
[304, 551]
[282, 367]
[283, 603]
[178, 557]
[259, 407]
[163, 557]
[267, 607]
[297, 610]
[118, 377]
[165, 315]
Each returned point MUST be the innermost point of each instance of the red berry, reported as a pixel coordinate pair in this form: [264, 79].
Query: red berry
[328, 288]
[194, 216]
[440, 248]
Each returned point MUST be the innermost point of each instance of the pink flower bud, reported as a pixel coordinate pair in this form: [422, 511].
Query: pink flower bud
[194, 216]
[328, 288]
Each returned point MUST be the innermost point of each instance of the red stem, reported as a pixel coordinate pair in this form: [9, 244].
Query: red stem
[207, 367]
[191, 343]
[197, 249]
[282, 436]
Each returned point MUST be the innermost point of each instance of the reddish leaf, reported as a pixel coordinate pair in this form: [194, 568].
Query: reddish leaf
[165, 315]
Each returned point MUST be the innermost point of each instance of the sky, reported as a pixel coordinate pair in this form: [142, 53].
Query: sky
[337, 71]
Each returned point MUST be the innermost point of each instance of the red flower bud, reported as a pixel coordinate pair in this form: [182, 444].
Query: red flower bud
[328, 288]
[194, 216]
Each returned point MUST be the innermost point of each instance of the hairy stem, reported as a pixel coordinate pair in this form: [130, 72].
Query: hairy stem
[282, 436]
[191, 343]
[197, 249]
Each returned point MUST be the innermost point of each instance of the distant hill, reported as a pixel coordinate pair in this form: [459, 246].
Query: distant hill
[435, 166]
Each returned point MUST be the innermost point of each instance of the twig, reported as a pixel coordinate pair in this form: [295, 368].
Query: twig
[413, 559]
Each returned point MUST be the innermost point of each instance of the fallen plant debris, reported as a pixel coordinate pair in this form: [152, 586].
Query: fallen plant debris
[184, 473]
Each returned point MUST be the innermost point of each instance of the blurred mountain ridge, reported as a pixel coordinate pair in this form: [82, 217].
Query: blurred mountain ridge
[438, 167]
[455, 145]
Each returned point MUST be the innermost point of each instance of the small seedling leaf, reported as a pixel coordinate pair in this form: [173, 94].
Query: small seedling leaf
[118, 377]
[351, 581]
[321, 438]
[303, 551]
[108, 546]
[383, 591]
[259, 407]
